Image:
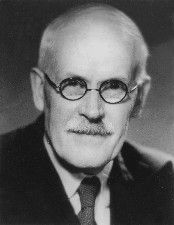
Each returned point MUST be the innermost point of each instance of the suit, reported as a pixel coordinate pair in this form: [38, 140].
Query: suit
[31, 192]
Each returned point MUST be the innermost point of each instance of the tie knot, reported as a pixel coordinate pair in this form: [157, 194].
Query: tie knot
[88, 191]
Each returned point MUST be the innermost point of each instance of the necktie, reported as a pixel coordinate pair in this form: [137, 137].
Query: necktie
[88, 191]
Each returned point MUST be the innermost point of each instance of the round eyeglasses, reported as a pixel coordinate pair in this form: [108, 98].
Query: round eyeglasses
[74, 88]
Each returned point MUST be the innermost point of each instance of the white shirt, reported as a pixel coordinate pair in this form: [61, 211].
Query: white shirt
[71, 184]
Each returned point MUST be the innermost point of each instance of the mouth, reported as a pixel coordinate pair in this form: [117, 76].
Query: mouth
[91, 132]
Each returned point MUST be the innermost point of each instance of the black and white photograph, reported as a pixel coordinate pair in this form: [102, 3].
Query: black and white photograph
[86, 112]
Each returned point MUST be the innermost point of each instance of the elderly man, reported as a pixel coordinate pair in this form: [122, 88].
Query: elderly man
[73, 165]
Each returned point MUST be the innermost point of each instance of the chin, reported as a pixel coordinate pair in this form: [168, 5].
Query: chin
[87, 153]
[86, 158]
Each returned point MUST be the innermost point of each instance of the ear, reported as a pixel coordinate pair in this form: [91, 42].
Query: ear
[37, 85]
[143, 89]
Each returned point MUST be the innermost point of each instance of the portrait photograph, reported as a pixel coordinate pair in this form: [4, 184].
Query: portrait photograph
[86, 112]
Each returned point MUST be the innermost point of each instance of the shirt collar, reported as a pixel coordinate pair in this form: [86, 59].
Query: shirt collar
[75, 179]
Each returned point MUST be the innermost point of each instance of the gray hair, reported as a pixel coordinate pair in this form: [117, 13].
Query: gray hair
[128, 28]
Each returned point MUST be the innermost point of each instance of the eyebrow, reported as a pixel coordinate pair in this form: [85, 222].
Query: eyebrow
[73, 75]
[123, 79]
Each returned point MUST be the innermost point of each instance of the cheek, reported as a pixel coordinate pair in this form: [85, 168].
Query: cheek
[58, 112]
[119, 115]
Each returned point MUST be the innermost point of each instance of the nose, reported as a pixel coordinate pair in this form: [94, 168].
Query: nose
[92, 107]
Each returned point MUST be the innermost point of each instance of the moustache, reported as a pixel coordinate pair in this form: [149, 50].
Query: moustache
[90, 129]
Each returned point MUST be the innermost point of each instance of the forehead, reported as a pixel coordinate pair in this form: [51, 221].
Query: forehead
[92, 46]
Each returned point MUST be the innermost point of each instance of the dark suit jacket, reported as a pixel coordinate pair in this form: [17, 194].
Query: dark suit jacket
[31, 191]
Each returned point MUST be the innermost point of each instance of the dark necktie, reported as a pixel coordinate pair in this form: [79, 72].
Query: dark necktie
[88, 191]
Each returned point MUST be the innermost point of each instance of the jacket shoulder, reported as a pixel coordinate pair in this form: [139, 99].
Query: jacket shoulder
[143, 161]
[154, 158]
[17, 148]
[22, 135]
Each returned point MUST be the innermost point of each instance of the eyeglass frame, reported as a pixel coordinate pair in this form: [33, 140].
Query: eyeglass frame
[58, 90]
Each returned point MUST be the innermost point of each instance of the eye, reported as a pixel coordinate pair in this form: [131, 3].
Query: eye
[73, 88]
[72, 82]
[113, 90]
[113, 84]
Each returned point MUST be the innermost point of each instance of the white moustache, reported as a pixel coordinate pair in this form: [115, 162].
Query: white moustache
[84, 127]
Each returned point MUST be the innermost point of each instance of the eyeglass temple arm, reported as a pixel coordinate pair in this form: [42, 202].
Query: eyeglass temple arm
[135, 87]
[51, 83]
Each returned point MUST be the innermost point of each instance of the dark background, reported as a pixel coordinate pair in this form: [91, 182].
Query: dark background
[21, 25]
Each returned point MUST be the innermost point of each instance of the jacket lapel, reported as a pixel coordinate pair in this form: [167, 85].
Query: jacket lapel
[46, 193]
[146, 199]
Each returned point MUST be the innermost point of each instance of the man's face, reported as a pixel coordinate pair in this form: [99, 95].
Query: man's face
[95, 53]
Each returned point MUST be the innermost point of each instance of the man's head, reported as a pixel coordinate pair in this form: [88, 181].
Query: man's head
[93, 45]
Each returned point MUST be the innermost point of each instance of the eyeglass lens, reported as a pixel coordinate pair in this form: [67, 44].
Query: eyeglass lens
[112, 91]
[73, 88]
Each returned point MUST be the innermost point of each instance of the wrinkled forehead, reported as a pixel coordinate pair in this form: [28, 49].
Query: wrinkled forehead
[93, 34]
